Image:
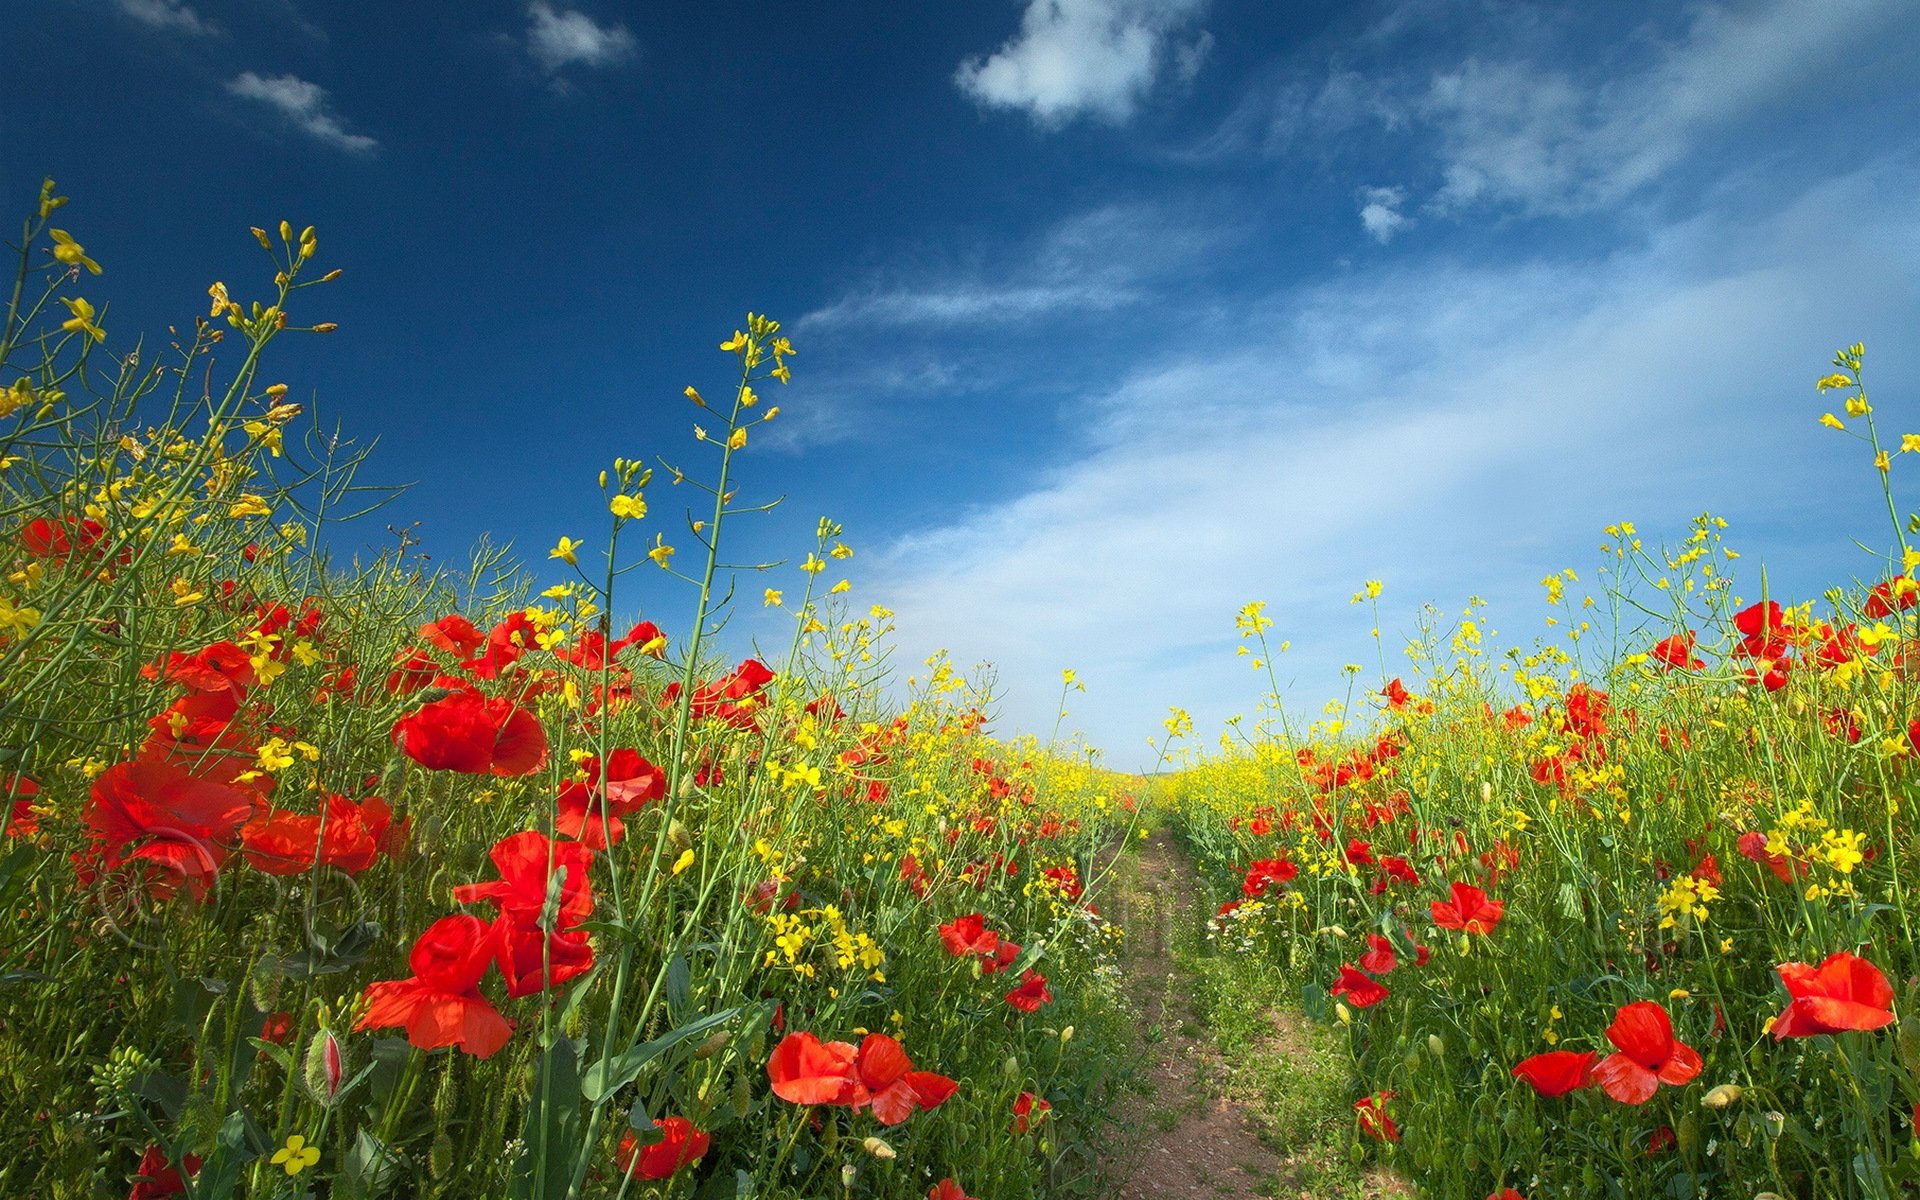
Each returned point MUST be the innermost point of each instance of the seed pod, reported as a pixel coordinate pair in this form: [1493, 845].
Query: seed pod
[1721, 1096]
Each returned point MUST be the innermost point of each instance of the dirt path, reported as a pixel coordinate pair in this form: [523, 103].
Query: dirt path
[1192, 1141]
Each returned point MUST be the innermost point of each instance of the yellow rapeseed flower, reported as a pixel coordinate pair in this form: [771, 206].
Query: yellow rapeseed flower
[71, 252]
[566, 551]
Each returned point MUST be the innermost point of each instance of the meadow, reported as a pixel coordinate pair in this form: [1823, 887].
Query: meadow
[372, 877]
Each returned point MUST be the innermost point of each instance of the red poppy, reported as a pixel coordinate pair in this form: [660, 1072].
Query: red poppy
[680, 1144]
[1676, 653]
[1029, 1110]
[1264, 873]
[349, 837]
[648, 637]
[1396, 694]
[533, 960]
[454, 634]
[22, 818]
[969, 935]
[1470, 911]
[804, 1070]
[442, 1005]
[1557, 1072]
[505, 643]
[1031, 993]
[156, 812]
[592, 809]
[469, 733]
[527, 863]
[1380, 957]
[1000, 959]
[1753, 845]
[1894, 595]
[947, 1189]
[1363, 992]
[1506, 1194]
[276, 1028]
[156, 1178]
[58, 538]
[1844, 992]
[1648, 1054]
[1374, 1121]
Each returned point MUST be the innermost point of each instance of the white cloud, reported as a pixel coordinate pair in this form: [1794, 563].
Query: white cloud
[1539, 138]
[1380, 212]
[558, 38]
[1094, 58]
[305, 105]
[1093, 262]
[1453, 430]
[175, 15]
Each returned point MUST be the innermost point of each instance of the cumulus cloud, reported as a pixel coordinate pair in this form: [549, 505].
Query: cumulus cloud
[1456, 430]
[174, 15]
[305, 106]
[560, 38]
[1380, 212]
[1095, 58]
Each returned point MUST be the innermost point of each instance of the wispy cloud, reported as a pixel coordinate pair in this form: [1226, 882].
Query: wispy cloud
[1524, 117]
[305, 106]
[1092, 262]
[1096, 58]
[561, 38]
[1455, 430]
[176, 16]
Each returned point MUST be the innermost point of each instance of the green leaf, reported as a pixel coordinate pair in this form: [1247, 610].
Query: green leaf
[553, 1128]
[370, 1170]
[606, 1077]
[679, 991]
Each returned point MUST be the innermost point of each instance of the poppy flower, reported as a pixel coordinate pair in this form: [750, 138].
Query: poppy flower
[1844, 992]
[592, 809]
[58, 538]
[527, 862]
[648, 637]
[1374, 1121]
[680, 1145]
[805, 1070]
[969, 935]
[947, 1189]
[22, 818]
[533, 960]
[505, 643]
[1676, 653]
[1263, 873]
[454, 634]
[1029, 1110]
[1031, 993]
[1648, 1054]
[1363, 992]
[1380, 957]
[1557, 1072]
[896, 1091]
[1506, 1194]
[156, 1178]
[469, 733]
[441, 1004]
[157, 812]
[1000, 959]
[221, 667]
[349, 837]
[1469, 911]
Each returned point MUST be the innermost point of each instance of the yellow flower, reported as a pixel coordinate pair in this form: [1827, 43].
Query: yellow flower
[738, 439]
[565, 550]
[1832, 422]
[773, 598]
[683, 862]
[661, 552]
[628, 507]
[1910, 443]
[82, 319]
[1834, 381]
[71, 252]
[296, 1156]
[17, 620]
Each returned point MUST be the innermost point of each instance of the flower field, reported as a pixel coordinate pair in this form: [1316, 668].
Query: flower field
[374, 879]
[1624, 914]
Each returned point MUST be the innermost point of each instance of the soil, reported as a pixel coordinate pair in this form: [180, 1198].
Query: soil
[1192, 1140]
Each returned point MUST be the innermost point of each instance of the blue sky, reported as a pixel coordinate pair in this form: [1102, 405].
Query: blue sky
[1112, 314]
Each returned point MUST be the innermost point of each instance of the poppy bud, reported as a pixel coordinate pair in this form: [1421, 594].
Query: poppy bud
[742, 1095]
[1436, 1045]
[1066, 1035]
[878, 1149]
[713, 1044]
[679, 837]
[1721, 1096]
[326, 1068]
